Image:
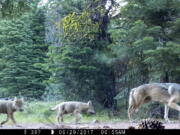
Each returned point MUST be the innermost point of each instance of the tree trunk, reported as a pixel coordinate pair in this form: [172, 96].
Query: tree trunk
[165, 78]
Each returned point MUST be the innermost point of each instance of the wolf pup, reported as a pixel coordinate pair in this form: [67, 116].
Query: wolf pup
[9, 107]
[166, 93]
[73, 107]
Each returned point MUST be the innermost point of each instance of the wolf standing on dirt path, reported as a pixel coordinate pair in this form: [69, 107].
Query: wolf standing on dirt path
[167, 93]
[9, 107]
[73, 107]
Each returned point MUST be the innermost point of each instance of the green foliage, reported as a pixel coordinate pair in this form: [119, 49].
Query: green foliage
[22, 48]
[77, 27]
[13, 8]
[95, 49]
[151, 49]
[39, 112]
[164, 59]
[75, 69]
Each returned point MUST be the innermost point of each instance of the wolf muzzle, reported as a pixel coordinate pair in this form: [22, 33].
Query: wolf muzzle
[92, 113]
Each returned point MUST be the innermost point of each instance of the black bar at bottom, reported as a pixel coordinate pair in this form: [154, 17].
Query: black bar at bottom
[87, 132]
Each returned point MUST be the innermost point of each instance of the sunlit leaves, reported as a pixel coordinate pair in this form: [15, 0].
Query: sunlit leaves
[78, 27]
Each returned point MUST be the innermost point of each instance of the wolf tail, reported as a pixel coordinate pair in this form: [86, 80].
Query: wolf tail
[54, 108]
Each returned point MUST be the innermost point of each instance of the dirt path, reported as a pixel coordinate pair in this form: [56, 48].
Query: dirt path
[117, 125]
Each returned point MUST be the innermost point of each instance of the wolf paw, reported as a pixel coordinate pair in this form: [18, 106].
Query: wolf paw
[133, 121]
[167, 121]
[17, 125]
[170, 122]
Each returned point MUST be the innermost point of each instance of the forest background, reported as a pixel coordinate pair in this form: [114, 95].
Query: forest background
[84, 50]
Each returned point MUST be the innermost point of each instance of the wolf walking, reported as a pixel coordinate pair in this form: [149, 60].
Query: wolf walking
[73, 107]
[167, 93]
[9, 107]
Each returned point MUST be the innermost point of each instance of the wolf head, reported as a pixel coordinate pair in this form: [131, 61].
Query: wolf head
[90, 108]
[18, 104]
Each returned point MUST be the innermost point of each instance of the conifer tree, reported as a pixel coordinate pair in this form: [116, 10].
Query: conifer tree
[23, 50]
[145, 43]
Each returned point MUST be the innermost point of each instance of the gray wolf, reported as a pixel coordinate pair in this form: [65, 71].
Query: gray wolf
[167, 93]
[9, 107]
[73, 107]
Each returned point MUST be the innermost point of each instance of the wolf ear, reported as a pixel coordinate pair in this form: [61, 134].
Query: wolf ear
[89, 102]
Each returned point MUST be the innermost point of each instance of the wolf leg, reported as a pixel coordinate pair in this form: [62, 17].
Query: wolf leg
[130, 111]
[5, 120]
[59, 117]
[172, 104]
[78, 116]
[13, 120]
[133, 108]
[166, 111]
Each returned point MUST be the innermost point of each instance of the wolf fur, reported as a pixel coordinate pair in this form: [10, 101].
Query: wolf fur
[9, 107]
[74, 107]
[167, 93]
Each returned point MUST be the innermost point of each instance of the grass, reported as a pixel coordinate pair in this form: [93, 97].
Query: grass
[38, 112]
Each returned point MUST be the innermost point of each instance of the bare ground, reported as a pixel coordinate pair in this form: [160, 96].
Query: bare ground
[99, 125]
